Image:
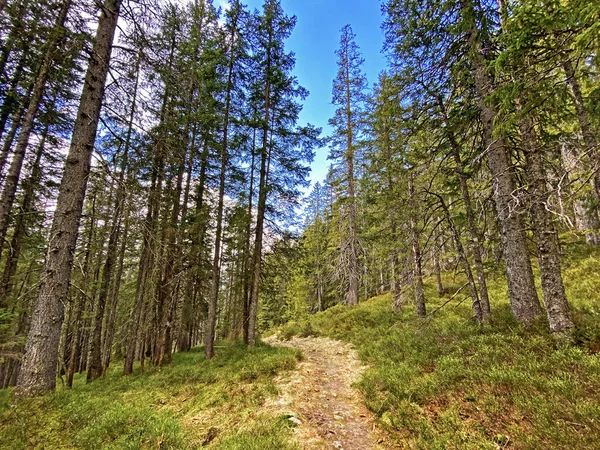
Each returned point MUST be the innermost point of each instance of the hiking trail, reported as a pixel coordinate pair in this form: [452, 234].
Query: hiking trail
[319, 397]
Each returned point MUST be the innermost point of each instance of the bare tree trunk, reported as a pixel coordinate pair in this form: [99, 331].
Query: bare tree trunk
[462, 255]
[261, 207]
[247, 268]
[27, 208]
[417, 256]
[95, 362]
[475, 241]
[216, 265]
[38, 373]
[523, 295]
[437, 267]
[584, 122]
[555, 299]
[396, 291]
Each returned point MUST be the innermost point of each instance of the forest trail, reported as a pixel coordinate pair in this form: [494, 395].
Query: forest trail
[320, 399]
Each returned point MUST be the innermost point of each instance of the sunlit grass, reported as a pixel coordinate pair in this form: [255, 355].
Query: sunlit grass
[443, 382]
[189, 404]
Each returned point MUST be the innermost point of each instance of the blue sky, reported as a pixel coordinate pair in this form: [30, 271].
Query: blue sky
[314, 41]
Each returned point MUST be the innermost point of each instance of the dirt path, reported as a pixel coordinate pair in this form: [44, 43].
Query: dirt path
[320, 398]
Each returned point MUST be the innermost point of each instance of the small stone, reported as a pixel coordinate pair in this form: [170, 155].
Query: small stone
[295, 420]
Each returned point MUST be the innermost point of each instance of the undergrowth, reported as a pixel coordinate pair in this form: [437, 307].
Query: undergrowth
[445, 383]
[191, 403]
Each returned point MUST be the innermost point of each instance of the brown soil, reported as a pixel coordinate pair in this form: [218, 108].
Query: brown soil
[320, 399]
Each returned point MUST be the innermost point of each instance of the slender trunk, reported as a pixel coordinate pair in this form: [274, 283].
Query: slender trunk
[112, 313]
[11, 182]
[523, 295]
[247, 257]
[352, 244]
[216, 265]
[589, 138]
[437, 269]
[475, 241]
[82, 300]
[38, 373]
[95, 362]
[396, 282]
[26, 210]
[417, 257]
[462, 256]
[555, 299]
[262, 203]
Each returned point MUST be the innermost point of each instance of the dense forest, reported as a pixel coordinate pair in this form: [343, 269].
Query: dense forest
[156, 193]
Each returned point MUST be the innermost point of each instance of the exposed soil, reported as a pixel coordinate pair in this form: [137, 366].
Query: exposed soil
[320, 399]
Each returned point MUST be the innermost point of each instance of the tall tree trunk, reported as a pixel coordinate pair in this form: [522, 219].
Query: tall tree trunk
[112, 312]
[521, 288]
[417, 256]
[247, 270]
[95, 361]
[82, 300]
[211, 321]
[27, 208]
[589, 138]
[262, 203]
[353, 250]
[38, 373]
[555, 299]
[475, 242]
[11, 182]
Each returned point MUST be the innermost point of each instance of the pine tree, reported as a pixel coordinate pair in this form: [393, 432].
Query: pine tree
[37, 375]
[349, 96]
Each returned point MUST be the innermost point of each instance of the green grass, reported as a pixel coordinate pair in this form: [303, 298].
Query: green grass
[191, 403]
[444, 383]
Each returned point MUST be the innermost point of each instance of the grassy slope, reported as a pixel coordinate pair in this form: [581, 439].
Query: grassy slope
[185, 405]
[444, 383]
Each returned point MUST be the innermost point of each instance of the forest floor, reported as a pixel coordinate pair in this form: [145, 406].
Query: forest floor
[351, 378]
[442, 382]
[320, 398]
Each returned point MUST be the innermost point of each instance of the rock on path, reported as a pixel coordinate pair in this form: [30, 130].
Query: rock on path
[320, 399]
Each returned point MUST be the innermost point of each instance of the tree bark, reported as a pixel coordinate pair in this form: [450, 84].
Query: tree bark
[475, 241]
[11, 182]
[38, 373]
[211, 321]
[417, 256]
[27, 208]
[523, 295]
[589, 138]
[555, 299]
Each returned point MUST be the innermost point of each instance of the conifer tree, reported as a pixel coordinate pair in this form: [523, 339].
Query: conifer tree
[349, 96]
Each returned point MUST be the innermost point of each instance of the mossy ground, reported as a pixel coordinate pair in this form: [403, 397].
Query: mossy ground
[444, 383]
[191, 403]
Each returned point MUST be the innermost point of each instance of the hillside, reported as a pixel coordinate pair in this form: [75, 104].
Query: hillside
[439, 382]
[443, 382]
